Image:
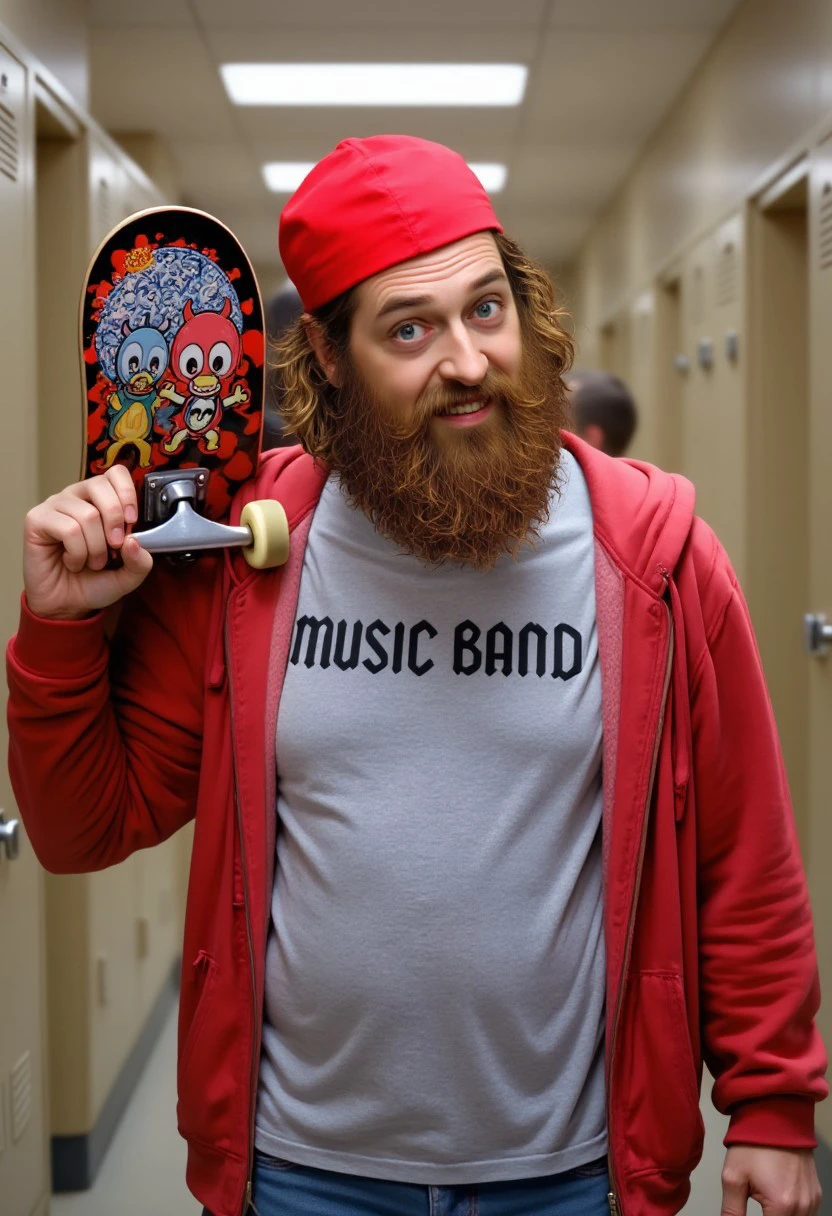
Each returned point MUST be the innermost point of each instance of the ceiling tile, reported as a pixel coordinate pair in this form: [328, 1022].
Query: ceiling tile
[607, 86]
[640, 15]
[348, 43]
[575, 174]
[330, 15]
[218, 173]
[120, 13]
[603, 74]
[311, 134]
[184, 96]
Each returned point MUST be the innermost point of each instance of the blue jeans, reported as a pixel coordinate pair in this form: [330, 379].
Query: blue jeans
[284, 1189]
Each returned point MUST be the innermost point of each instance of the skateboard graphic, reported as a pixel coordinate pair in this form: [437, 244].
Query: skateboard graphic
[172, 355]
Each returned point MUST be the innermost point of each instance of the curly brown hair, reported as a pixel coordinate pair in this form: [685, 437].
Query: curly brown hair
[308, 400]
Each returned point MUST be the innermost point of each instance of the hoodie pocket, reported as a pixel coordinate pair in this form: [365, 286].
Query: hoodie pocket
[663, 1127]
[202, 978]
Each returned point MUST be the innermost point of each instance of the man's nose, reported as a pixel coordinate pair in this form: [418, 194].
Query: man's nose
[461, 359]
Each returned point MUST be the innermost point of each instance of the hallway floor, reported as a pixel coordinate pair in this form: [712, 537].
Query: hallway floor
[144, 1171]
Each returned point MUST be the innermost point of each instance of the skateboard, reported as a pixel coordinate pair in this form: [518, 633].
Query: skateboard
[172, 346]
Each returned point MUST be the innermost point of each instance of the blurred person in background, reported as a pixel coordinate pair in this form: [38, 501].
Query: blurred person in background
[464, 917]
[281, 311]
[603, 411]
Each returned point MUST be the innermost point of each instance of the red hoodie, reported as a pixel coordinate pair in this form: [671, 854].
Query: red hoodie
[709, 942]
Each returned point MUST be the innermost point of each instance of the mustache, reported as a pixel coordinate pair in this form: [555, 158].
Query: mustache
[438, 399]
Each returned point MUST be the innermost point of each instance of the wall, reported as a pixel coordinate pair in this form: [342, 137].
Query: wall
[108, 941]
[55, 33]
[689, 250]
[766, 82]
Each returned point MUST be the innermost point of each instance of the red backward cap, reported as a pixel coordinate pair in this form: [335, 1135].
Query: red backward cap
[373, 203]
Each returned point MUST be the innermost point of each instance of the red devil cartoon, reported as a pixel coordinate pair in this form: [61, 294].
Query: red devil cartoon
[206, 351]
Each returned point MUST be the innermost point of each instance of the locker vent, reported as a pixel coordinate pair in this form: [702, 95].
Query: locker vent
[21, 1095]
[825, 227]
[726, 275]
[9, 151]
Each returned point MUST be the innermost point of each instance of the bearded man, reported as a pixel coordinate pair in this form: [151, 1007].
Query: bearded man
[493, 841]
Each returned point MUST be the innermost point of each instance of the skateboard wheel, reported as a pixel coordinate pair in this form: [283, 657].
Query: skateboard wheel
[266, 520]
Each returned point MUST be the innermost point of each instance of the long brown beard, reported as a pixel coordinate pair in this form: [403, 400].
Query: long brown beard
[482, 492]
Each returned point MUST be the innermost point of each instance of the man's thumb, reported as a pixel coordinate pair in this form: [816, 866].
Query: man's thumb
[137, 561]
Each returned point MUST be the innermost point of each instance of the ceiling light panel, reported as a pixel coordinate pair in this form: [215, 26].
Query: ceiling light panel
[492, 177]
[284, 177]
[375, 84]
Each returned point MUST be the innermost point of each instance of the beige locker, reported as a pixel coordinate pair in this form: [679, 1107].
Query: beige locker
[820, 577]
[23, 1144]
[615, 346]
[776, 583]
[670, 368]
[107, 191]
[713, 391]
[119, 929]
[641, 379]
[158, 925]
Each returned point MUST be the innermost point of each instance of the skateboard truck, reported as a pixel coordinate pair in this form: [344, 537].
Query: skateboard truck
[171, 500]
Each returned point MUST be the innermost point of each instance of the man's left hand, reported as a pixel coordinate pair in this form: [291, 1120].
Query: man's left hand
[783, 1181]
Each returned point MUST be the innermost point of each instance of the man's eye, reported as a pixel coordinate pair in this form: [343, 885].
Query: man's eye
[410, 332]
[487, 310]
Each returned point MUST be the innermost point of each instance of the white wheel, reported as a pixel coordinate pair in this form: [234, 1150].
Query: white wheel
[269, 527]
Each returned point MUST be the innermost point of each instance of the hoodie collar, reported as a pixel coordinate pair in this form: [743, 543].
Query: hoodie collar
[642, 515]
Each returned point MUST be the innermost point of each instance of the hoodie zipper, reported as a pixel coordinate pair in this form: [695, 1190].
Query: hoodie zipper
[612, 1197]
[249, 1192]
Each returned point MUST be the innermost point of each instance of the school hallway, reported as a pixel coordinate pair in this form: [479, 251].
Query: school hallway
[645, 185]
[144, 1170]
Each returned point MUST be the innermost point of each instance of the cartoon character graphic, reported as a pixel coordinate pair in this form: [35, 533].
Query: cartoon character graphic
[205, 352]
[141, 361]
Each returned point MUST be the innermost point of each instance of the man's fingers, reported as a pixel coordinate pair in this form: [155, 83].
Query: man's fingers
[122, 482]
[105, 498]
[86, 515]
[69, 533]
[734, 1194]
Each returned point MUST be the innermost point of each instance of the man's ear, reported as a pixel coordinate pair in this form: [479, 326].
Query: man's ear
[322, 349]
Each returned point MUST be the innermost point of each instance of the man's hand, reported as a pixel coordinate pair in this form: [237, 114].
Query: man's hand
[66, 543]
[783, 1181]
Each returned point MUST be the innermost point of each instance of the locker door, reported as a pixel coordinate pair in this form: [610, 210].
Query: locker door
[24, 1174]
[778, 419]
[105, 192]
[646, 443]
[713, 391]
[820, 574]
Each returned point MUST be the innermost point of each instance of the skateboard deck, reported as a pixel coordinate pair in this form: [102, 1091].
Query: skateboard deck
[172, 352]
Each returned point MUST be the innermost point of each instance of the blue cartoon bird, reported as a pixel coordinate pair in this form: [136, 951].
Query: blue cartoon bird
[141, 361]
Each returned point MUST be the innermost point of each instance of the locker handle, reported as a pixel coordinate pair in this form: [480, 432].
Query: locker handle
[10, 836]
[817, 634]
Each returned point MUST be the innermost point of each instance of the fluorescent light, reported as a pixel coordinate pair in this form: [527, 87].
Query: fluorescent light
[375, 84]
[284, 177]
[493, 177]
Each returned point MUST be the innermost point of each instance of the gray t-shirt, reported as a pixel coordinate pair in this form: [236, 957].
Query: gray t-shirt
[435, 966]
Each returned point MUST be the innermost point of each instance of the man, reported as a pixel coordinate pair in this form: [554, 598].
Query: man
[603, 411]
[535, 856]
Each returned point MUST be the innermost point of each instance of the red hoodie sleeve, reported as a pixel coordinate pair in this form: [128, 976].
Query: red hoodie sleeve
[758, 970]
[105, 740]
